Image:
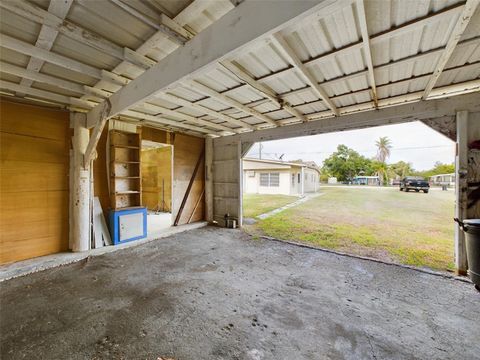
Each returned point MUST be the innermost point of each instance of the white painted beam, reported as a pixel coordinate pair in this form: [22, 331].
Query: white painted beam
[413, 111]
[47, 36]
[264, 90]
[460, 26]
[248, 22]
[180, 115]
[167, 26]
[57, 24]
[292, 58]
[229, 101]
[367, 52]
[182, 102]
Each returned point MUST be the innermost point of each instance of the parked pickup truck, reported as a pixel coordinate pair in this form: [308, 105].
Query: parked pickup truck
[414, 183]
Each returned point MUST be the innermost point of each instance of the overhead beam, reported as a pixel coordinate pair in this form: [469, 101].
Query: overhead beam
[73, 31]
[229, 101]
[158, 39]
[374, 39]
[264, 90]
[292, 58]
[414, 111]
[167, 26]
[362, 18]
[460, 26]
[248, 22]
[47, 36]
[182, 102]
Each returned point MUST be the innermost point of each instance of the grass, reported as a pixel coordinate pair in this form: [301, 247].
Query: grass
[384, 223]
[255, 204]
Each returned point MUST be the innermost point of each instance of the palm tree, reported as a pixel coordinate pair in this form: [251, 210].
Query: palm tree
[383, 148]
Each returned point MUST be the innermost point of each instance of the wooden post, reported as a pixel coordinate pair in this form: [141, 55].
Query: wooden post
[209, 179]
[461, 188]
[81, 186]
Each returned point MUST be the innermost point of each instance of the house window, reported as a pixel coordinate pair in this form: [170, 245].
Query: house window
[270, 179]
[298, 175]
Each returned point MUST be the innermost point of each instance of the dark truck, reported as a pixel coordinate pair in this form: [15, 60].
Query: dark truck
[414, 183]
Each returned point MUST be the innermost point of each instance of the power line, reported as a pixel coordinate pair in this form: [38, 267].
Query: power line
[364, 151]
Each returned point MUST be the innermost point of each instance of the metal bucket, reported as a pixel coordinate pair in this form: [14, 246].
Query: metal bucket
[472, 242]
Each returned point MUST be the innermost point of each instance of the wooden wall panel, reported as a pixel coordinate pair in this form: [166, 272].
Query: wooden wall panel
[34, 154]
[186, 151]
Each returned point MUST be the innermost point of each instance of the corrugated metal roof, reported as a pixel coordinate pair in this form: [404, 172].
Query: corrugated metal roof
[407, 38]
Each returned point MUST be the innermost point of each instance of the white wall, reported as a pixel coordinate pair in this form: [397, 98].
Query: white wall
[312, 180]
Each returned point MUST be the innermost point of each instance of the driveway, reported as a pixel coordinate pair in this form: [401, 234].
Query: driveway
[219, 294]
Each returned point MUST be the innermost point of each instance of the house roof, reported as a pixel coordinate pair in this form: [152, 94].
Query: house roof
[345, 57]
[280, 164]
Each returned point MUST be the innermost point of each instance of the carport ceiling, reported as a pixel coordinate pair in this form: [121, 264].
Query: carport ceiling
[217, 67]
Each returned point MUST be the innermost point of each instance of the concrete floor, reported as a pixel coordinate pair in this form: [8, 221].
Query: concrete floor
[219, 294]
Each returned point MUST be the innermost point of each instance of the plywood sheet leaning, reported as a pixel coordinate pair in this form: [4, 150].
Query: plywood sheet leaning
[100, 229]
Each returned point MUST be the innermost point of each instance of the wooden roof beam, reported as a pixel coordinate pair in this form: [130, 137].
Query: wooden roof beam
[182, 102]
[367, 52]
[46, 37]
[166, 26]
[460, 26]
[75, 32]
[292, 58]
[229, 101]
[241, 73]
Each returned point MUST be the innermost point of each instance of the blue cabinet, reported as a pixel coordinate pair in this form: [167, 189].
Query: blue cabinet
[128, 224]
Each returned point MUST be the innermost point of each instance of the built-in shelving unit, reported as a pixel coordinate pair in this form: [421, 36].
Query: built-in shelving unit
[125, 181]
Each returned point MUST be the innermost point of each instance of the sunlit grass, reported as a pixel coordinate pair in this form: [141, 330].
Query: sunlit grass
[410, 228]
[255, 204]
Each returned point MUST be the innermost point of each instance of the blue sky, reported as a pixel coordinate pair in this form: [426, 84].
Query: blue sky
[412, 142]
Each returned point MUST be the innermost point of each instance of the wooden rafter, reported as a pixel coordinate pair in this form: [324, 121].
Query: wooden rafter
[182, 102]
[167, 26]
[374, 39]
[229, 101]
[47, 36]
[73, 31]
[291, 57]
[367, 52]
[460, 26]
[262, 89]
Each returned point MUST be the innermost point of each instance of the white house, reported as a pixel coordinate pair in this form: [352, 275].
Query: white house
[443, 179]
[279, 177]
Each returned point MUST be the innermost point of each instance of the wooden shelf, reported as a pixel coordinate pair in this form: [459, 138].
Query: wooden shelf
[125, 162]
[125, 189]
[125, 146]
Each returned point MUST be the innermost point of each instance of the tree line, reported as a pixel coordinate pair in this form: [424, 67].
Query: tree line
[345, 164]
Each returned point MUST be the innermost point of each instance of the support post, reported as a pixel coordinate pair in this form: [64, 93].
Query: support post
[461, 188]
[81, 186]
[209, 179]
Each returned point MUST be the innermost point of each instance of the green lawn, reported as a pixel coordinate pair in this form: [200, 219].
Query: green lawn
[410, 228]
[255, 204]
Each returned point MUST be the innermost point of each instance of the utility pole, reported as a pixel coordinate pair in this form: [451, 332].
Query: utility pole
[260, 147]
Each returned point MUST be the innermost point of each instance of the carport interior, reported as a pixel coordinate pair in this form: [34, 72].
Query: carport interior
[209, 78]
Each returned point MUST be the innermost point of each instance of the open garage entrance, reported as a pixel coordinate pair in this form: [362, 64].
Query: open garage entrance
[357, 207]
